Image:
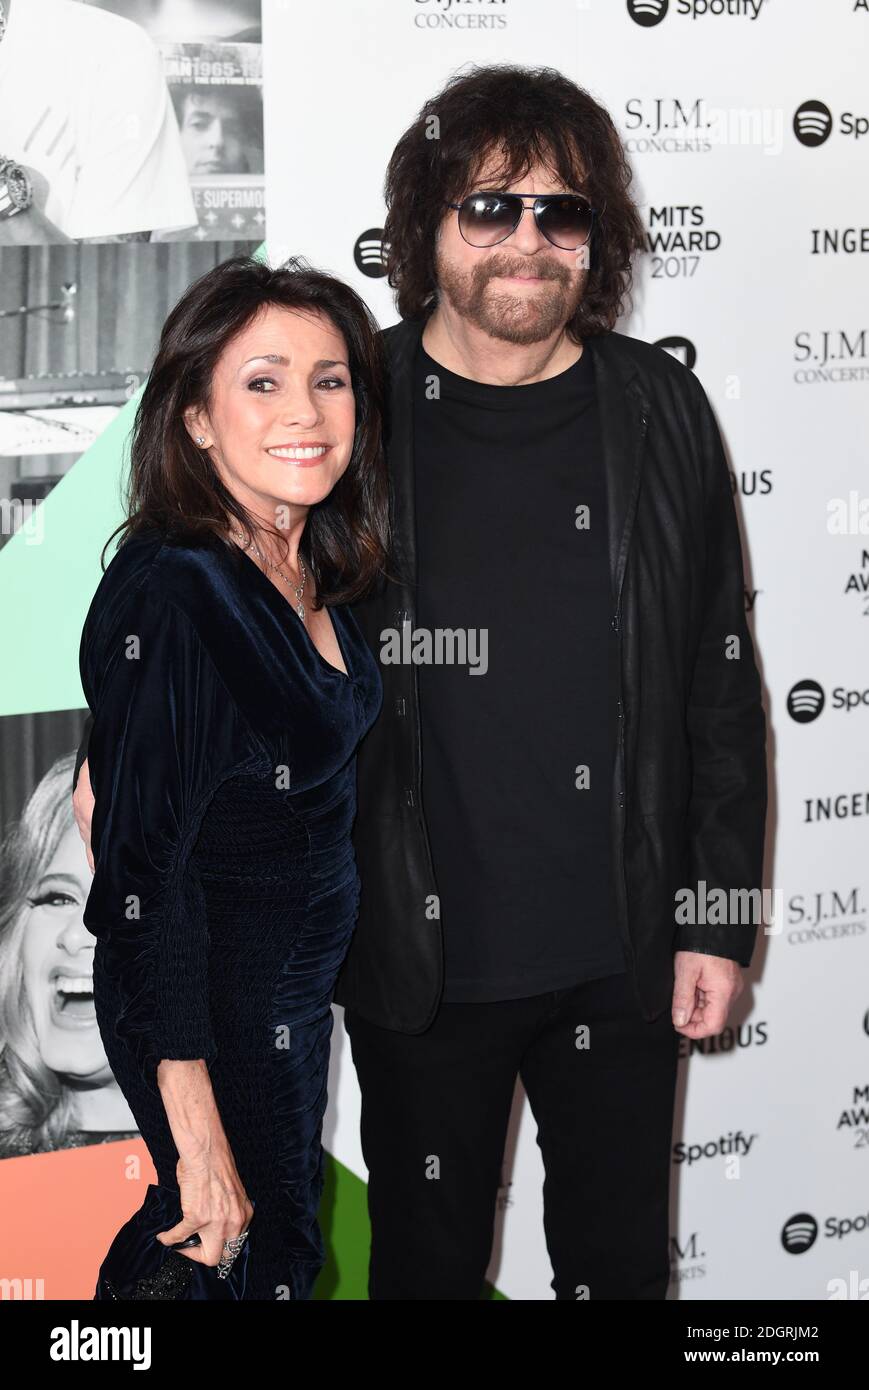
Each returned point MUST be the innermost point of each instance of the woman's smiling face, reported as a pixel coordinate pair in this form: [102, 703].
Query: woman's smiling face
[57, 955]
[281, 420]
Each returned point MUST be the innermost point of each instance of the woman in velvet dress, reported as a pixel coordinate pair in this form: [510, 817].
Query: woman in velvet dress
[229, 687]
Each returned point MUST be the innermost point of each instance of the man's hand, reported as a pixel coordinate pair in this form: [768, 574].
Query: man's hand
[83, 809]
[704, 989]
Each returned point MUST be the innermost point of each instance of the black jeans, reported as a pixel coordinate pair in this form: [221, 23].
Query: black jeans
[435, 1110]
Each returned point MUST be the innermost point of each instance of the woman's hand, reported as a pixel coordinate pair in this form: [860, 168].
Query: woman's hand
[83, 809]
[213, 1200]
[214, 1203]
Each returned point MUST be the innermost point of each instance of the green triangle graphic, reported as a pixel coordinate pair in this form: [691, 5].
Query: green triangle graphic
[50, 568]
[347, 1236]
[47, 583]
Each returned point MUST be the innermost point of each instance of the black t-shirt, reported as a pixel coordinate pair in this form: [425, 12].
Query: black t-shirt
[522, 855]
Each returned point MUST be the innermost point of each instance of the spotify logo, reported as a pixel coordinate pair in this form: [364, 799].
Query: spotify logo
[647, 13]
[799, 1233]
[813, 122]
[681, 348]
[369, 253]
[805, 701]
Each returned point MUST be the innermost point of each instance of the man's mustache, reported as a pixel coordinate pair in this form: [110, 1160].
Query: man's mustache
[545, 270]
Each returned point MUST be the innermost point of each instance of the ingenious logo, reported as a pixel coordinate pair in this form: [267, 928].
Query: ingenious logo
[834, 241]
[821, 810]
[751, 482]
[734, 1038]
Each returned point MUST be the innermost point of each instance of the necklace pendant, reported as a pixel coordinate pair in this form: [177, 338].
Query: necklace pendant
[300, 609]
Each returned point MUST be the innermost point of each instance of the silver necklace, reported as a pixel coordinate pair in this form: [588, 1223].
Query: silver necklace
[298, 589]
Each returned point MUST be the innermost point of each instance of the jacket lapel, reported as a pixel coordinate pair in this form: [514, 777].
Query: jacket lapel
[624, 412]
[401, 342]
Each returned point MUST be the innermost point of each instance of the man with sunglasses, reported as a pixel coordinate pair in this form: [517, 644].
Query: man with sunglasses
[521, 833]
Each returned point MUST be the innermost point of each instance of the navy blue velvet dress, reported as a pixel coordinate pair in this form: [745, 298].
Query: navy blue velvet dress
[222, 756]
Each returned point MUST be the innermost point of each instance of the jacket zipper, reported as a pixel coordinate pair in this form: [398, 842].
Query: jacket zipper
[621, 887]
[621, 883]
[415, 791]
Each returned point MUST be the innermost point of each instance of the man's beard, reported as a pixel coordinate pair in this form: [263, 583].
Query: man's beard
[506, 312]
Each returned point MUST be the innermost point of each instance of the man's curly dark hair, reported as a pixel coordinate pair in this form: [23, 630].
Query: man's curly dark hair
[523, 116]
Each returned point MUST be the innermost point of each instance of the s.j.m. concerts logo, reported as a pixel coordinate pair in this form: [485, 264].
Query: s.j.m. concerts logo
[450, 14]
[831, 356]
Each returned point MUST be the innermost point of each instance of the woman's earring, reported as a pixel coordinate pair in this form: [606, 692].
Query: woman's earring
[200, 439]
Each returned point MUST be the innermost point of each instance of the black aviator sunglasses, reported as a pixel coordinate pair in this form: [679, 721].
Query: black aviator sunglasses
[487, 218]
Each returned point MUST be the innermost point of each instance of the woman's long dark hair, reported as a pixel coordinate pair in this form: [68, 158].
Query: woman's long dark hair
[173, 485]
[523, 116]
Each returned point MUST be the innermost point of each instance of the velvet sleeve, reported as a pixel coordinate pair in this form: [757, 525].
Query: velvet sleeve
[81, 754]
[165, 734]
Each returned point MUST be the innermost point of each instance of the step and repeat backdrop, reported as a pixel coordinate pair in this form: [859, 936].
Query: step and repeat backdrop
[161, 136]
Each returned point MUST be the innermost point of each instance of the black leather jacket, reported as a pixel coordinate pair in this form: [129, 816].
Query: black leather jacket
[689, 799]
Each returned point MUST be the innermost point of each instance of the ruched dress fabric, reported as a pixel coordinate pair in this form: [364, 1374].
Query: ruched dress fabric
[225, 893]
